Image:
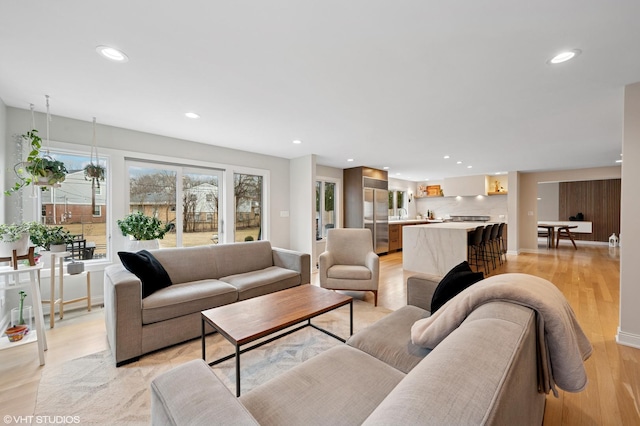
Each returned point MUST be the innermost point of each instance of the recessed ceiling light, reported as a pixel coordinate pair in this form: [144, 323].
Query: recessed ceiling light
[191, 115]
[386, 167]
[446, 157]
[564, 56]
[297, 142]
[112, 54]
[458, 162]
[350, 160]
[426, 178]
[618, 161]
[468, 167]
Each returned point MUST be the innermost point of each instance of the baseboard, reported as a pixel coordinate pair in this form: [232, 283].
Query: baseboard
[628, 339]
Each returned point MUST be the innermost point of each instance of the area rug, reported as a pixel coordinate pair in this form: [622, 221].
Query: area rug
[91, 390]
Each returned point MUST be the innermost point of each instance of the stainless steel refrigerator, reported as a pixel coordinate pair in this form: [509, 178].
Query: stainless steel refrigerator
[376, 217]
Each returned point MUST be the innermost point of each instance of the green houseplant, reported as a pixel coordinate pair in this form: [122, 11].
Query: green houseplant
[14, 237]
[37, 168]
[142, 227]
[45, 236]
[13, 232]
[95, 173]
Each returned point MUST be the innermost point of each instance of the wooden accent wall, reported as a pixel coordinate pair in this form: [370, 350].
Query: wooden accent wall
[599, 202]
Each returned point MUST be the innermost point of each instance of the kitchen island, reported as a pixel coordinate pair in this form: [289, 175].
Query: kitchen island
[435, 248]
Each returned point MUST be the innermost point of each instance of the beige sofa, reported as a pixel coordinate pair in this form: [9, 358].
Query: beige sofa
[202, 278]
[483, 373]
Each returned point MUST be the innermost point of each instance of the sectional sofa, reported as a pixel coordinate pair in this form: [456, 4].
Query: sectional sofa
[201, 278]
[483, 373]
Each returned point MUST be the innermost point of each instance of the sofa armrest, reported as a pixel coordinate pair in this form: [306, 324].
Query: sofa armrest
[123, 313]
[420, 289]
[191, 394]
[372, 261]
[294, 260]
[325, 261]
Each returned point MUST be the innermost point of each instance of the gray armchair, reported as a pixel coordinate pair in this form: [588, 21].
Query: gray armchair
[349, 262]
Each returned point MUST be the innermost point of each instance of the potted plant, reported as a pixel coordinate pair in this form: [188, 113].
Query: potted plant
[37, 169]
[95, 173]
[143, 228]
[47, 236]
[14, 237]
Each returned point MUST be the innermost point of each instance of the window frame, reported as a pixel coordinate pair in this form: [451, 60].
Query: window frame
[337, 197]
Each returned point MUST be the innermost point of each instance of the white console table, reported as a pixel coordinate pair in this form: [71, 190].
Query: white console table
[10, 280]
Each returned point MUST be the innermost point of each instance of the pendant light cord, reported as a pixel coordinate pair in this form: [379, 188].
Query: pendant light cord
[48, 120]
[94, 147]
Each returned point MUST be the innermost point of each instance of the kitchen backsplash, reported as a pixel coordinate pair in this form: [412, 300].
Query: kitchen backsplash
[494, 206]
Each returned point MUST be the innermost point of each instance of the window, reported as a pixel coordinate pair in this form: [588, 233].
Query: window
[397, 204]
[325, 208]
[78, 204]
[154, 190]
[248, 191]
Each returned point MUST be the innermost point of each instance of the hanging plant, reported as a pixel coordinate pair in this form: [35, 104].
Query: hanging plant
[94, 171]
[38, 168]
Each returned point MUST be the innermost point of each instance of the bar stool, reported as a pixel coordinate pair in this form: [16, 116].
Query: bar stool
[494, 244]
[502, 244]
[486, 245]
[474, 250]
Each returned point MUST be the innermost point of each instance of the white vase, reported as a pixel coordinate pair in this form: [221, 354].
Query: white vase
[21, 247]
[137, 245]
[57, 248]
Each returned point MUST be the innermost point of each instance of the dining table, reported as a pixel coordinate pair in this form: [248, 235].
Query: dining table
[555, 230]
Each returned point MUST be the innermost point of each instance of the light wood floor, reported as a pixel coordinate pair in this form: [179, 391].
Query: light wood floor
[588, 277]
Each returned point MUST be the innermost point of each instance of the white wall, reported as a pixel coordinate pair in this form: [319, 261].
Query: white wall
[4, 152]
[3, 155]
[549, 201]
[494, 206]
[629, 328]
[302, 211]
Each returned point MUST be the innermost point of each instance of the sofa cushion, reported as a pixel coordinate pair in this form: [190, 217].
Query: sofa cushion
[341, 386]
[173, 398]
[264, 281]
[389, 339]
[146, 267]
[186, 298]
[237, 258]
[468, 374]
[349, 272]
[456, 280]
[185, 264]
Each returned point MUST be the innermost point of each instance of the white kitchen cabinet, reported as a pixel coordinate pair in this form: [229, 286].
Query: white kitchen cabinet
[466, 186]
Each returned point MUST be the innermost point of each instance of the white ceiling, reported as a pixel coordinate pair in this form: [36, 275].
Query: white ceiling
[387, 83]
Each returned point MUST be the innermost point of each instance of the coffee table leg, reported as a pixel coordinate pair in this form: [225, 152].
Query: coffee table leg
[237, 370]
[351, 318]
[204, 355]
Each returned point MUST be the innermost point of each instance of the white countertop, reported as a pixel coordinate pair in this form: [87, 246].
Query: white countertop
[468, 226]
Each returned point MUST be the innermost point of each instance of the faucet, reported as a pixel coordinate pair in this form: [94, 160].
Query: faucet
[400, 210]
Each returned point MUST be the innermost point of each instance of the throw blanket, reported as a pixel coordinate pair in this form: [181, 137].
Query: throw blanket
[562, 344]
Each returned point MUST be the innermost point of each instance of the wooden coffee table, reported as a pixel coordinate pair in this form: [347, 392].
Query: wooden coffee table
[249, 320]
